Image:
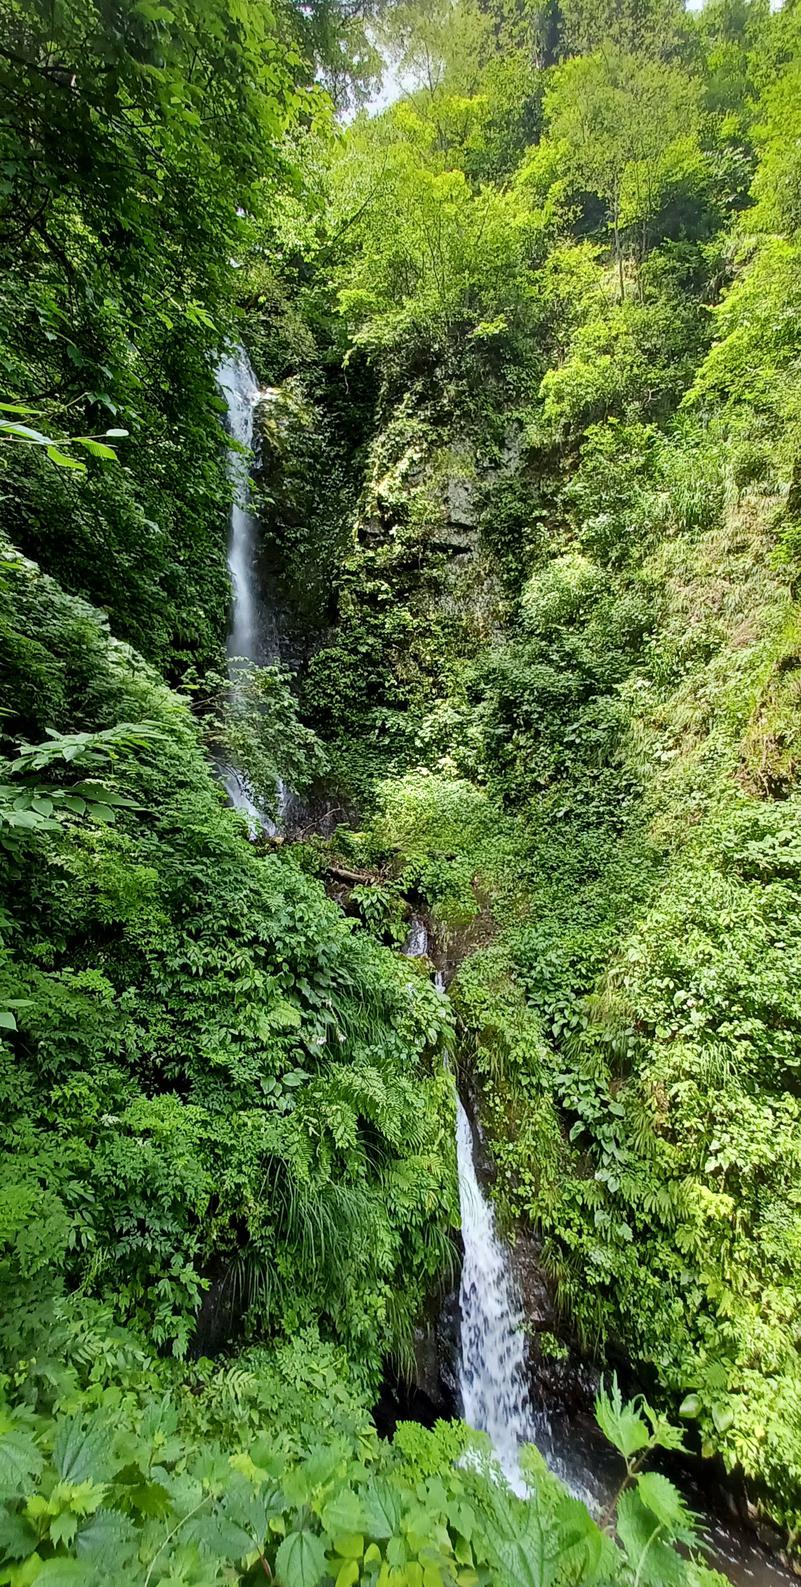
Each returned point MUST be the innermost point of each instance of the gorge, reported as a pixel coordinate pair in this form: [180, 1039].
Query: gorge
[400, 876]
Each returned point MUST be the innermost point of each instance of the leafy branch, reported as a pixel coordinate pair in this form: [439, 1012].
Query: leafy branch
[13, 430]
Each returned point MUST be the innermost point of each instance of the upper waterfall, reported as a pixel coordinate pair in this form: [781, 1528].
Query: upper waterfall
[253, 634]
[251, 637]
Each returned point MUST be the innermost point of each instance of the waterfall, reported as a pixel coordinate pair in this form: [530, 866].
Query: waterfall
[493, 1378]
[247, 639]
[253, 636]
[493, 1381]
[416, 944]
[492, 1353]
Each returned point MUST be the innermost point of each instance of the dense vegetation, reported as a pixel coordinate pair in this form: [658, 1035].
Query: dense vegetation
[564, 671]
[530, 495]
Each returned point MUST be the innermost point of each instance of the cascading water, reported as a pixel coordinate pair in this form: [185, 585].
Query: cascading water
[253, 637]
[492, 1351]
[492, 1375]
[493, 1379]
[416, 944]
[238, 384]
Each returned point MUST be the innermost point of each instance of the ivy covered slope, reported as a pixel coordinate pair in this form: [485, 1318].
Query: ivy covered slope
[212, 1078]
[565, 669]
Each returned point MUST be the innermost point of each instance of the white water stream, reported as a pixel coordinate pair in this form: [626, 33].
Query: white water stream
[491, 1368]
[492, 1348]
[493, 1377]
[253, 637]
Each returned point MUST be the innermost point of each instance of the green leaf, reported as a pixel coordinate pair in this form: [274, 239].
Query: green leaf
[344, 1513]
[64, 1573]
[63, 461]
[25, 433]
[382, 1509]
[97, 448]
[103, 813]
[7, 1022]
[620, 1423]
[664, 1500]
[349, 1545]
[300, 1560]
[321, 1465]
[219, 1536]
[104, 1538]
[654, 1562]
[63, 1527]
[83, 1454]
[690, 1406]
[17, 1538]
[526, 1559]
[722, 1416]
[20, 1460]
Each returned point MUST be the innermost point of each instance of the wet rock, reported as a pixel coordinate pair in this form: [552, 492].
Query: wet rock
[219, 1317]
[461, 502]
[431, 1395]
[536, 1296]
[447, 1339]
[427, 1376]
[562, 1383]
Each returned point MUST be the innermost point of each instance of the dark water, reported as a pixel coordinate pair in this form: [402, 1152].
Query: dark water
[578, 1452]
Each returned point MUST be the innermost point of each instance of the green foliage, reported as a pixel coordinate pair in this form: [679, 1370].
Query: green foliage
[206, 1089]
[128, 1488]
[534, 511]
[126, 167]
[563, 683]
[252, 723]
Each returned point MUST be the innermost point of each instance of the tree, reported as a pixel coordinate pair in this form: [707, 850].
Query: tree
[623, 123]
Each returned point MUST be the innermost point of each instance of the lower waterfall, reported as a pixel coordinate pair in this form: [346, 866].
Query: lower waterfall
[492, 1350]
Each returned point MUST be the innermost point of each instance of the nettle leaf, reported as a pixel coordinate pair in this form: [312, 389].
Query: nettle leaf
[83, 1453]
[64, 1573]
[300, 1560]
[105, 1538]
[527, 1559]
[653, 1560]
[662, 1499]
[17, 1538]
[576, 1528]
[344, 1514]
[63, 1528]
[620, 1423]
[382, 1510]
[20, 1460]
[219, 1535]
